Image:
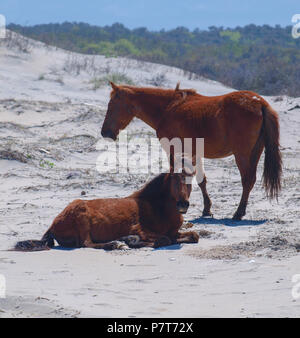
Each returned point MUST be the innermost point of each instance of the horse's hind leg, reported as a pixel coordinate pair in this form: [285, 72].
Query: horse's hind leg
[187, 237]
[131, 240]
[143, 238]
[248, 176]
[113, 245]
[135, 242]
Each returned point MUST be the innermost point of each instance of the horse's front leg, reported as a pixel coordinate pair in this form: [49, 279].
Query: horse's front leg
[248, 175]
[186, 237]
[201, 180]
[112, 245]
[140, 237]
[135, 242]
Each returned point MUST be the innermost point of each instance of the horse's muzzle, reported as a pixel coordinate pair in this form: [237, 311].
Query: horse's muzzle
[182, 206]
[108, 134]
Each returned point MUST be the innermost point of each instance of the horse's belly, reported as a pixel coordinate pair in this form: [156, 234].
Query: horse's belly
[217, 146]
[217, 153]
[109, 232]
[111, 219]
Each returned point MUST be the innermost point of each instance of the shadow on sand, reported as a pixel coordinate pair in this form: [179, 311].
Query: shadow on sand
[58, 247]
[227, 221]
[170, 247]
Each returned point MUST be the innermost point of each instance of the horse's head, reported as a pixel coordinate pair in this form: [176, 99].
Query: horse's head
[119, 112]
[180, 190]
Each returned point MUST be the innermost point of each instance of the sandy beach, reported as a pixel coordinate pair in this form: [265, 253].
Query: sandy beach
[50, 122]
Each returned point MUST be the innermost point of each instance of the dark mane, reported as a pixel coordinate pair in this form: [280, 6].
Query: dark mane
[158, 90]
[181, 98]
[150, 90]
[189, 91]
[154, 187]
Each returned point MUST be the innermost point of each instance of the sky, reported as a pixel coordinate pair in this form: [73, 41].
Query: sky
[153, 14]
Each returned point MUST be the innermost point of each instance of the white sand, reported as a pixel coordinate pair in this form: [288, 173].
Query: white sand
[50, 121]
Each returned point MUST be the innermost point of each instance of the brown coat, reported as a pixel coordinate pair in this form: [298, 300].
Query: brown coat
[146, 216]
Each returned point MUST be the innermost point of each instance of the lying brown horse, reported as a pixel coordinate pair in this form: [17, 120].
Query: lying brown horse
[241, 123]
[149, 217]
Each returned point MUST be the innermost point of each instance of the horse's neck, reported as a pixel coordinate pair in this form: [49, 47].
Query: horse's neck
[150, 105]
[159, 204]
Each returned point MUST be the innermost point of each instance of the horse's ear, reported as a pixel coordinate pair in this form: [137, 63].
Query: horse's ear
[113, 86]
[181, 94]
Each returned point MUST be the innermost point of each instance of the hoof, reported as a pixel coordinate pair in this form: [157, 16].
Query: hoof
[131, 240]
[237, 217]
[206, 213]
[162, 241]
[115, 245]
[122, 246]
[194, 237]
[187, 225]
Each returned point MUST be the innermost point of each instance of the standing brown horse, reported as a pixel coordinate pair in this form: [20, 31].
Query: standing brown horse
[149, 217]
[241, 123]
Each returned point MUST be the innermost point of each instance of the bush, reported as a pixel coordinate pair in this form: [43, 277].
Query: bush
[117, 78]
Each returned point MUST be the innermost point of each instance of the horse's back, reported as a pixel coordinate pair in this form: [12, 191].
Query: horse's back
[111, 218]
[243, 118]
[244, 101]
[225, 122]
[197, 117]
[211, 107]
[102, 219]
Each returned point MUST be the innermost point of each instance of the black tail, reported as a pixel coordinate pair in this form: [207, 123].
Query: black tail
[273, 163]
[46, 243]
